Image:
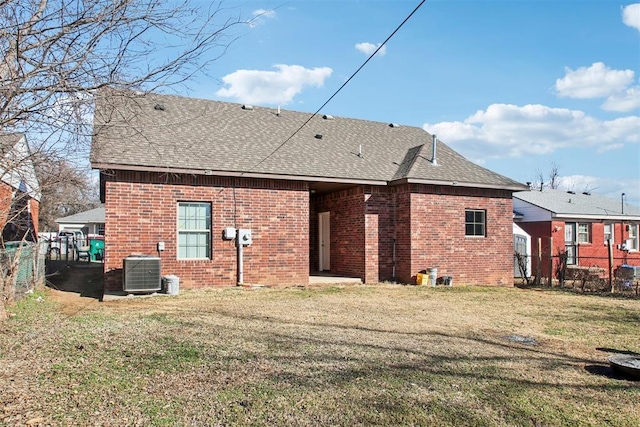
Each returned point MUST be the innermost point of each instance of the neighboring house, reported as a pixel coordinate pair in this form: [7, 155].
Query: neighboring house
[371, 200]
[90, 222]
[19, 189]
[580, 225]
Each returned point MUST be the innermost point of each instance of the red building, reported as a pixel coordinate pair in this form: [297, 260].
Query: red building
[579, 224]
[19, 190]
[375, 201]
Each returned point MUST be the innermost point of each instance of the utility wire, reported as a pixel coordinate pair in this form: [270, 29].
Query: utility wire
[340, 88]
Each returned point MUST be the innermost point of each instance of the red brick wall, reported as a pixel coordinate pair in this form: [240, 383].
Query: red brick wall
[540, 262]
[380, 233]
[437, 222]
[23, 216]
[404, 269]
[593, 254]
[426, 223]
[35, 215]
[141, 210]
[596, 252]
[347, 224]
[6, 196]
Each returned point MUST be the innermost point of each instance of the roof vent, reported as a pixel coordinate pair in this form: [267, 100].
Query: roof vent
[158, 107]
[318, 136]
[247, 107]
[394, 125]
[327, 117]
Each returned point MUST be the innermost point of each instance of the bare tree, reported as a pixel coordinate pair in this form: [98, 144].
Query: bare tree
[55, 54]
[65, 191]
[550, 180]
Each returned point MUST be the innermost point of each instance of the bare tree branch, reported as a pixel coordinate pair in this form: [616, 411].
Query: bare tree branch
[56, 54]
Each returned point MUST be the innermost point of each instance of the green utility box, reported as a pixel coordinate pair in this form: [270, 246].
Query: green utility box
[96, 249]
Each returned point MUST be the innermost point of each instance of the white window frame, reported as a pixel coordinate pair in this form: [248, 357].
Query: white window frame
[193, 230]
[580, 233]
[633, 238]
[475, 223]
[608, 235]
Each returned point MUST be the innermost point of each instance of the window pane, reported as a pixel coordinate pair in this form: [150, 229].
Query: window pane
[475, 222]
[194, 230]
[583, 233]
[608, 232]
[468, 216]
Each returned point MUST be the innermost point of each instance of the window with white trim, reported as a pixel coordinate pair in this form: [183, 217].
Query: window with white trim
[475, 222]
[632, 242]
[584, 232]
[194, 230]
[608, 232]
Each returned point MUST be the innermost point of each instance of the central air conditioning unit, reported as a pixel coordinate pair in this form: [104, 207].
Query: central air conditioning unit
[141, 274]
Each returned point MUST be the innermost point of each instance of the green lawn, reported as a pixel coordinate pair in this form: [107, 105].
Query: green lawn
[359, 355]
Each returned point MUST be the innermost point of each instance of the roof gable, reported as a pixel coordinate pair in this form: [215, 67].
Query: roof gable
[16, 165]
[164, 131]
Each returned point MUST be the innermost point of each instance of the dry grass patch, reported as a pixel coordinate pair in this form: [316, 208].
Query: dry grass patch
[362, 355]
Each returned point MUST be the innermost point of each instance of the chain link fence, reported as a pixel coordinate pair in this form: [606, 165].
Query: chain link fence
[585, 274]
[22, 268]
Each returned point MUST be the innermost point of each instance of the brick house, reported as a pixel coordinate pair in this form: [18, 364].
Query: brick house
[376, 201]
[19, 190]
[580, 225]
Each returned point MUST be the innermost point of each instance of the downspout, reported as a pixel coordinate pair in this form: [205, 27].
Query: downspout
[240, 259]
[393, 268]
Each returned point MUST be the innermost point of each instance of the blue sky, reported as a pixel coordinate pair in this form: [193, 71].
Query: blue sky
[515, 86]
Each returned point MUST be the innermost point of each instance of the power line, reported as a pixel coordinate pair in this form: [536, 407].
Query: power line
[340, 88]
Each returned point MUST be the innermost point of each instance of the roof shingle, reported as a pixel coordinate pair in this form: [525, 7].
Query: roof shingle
[165, 131]
[561, 202]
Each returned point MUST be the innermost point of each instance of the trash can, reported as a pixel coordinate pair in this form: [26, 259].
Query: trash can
[171, 284]
[447, 280]
[96, 249]
[433, 275]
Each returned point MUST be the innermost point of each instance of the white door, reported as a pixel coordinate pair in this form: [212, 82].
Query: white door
[324, 238]
[570, 242]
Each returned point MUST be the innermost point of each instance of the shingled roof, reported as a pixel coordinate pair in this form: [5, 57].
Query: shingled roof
[92, 216]
[171, 133]
[569, 204]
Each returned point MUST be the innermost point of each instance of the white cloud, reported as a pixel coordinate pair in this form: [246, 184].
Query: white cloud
[625, 101]
[265, 13]
[259, 15]
[596, 81]
[369, 48]
[272, 87]
[610, 147]
[504, 130]
[610, 187]
[631, 15]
